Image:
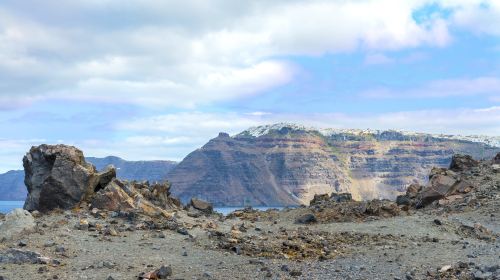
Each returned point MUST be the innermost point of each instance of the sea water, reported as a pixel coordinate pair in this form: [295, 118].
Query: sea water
[227, 210]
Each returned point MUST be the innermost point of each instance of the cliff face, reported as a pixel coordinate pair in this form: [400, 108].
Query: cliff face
[152, 170]
[12, 185]
[287, 165]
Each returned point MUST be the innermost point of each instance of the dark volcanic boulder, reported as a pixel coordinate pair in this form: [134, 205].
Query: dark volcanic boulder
[57, 176]
[306, 219]
[462, 162]
[403, 200]
[496, 160]
[438, 187]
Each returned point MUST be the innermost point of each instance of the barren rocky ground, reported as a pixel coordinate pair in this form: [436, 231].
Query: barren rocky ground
[448, 229]
[408, 245]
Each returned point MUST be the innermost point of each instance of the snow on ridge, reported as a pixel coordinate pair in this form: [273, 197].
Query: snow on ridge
[258, 131]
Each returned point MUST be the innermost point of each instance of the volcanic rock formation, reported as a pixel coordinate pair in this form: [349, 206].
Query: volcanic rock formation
[59, 177]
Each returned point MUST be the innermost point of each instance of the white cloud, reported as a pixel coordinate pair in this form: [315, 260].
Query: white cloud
[200, 87]
[185, 53]
[477, 16]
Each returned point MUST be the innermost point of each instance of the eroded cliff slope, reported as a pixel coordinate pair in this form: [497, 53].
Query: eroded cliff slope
[288, 164]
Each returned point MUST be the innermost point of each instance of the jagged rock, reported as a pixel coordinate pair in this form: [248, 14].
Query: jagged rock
[161, 273]
[341, 197]
[106, 176]
[57, 176]
[383, 208]
[462, 162]
[16, 222]
[319, 198]
[201, 205]
[158, 194]
[17, 256]
[403, 200]
[438, 187]
[125, 196]
[113, 197]
[413, 190]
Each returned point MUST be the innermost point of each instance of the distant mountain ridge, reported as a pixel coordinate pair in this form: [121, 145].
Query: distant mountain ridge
[12, 183]
[286, 164]
[152, 170]
[257, 131]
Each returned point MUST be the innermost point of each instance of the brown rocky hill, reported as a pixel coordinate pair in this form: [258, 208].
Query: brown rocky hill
[286, 164]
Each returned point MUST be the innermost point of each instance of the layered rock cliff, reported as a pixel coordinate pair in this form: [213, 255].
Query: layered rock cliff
[288, 164]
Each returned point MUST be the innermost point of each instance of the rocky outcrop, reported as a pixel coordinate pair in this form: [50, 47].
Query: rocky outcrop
[16, 222]
[334, 197]
[462, 162]
[287, 165]
[445, 185]
[12, 182]
[150, 200]
[57, 177]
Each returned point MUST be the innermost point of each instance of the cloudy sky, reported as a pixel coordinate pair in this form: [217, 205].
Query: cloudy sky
[156, 79]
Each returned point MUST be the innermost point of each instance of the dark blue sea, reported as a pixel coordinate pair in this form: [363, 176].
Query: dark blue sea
[7, 206]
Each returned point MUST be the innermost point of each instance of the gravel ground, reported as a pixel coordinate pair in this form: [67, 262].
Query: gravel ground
[421, 245]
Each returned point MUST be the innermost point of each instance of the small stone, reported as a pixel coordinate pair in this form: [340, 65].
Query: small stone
[438, 222]
[306, 219]
[237, 250]
[445, 268]
[184, 254]
[60, 249]
[164, 271]
[49, 243]
[22, 243]
[182, 231]
[108, 264]
[285, 268]
[295, 273]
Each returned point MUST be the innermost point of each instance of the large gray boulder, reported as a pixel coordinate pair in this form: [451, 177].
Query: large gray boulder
[57, 176]
[16, 222]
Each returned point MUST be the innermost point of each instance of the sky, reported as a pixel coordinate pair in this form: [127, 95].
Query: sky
[148, 79]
